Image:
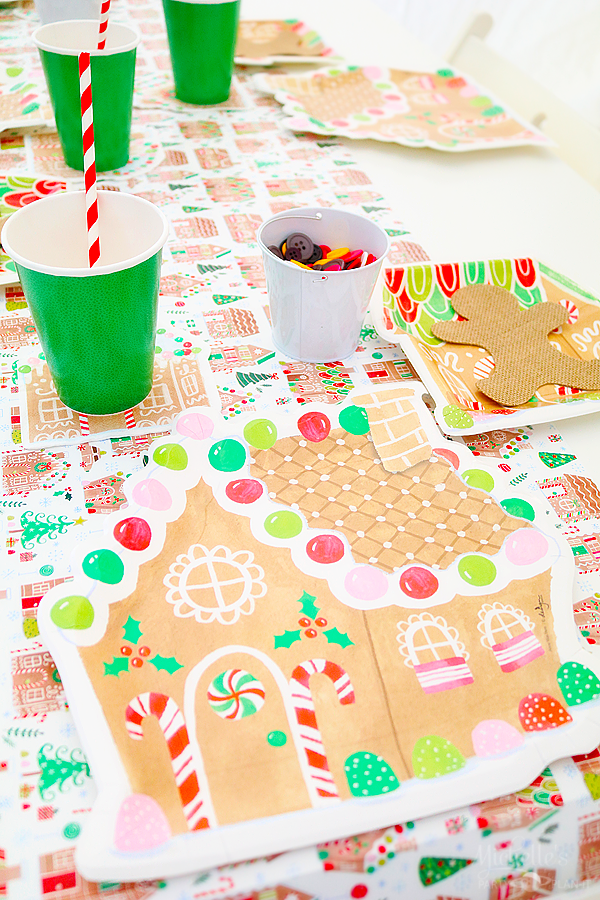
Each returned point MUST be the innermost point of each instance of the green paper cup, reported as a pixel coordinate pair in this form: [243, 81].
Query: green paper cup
[113, 69]
[202, 37]
[96, 326]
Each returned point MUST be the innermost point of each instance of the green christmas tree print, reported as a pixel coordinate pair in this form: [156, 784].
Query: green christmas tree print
[436, 868]
[37, 527]
[59, 769]
[554, 460]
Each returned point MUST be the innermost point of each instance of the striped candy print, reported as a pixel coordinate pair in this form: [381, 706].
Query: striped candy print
[304, 708]
[175, 732]
[103, 25]
[89, 158]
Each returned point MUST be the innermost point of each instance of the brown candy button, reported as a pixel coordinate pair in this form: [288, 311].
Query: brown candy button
[276, 251]
[299, 247]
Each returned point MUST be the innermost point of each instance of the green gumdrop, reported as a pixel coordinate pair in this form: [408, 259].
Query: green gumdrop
[227, 455]
[104, 565]
[277, 738]
[354, 420]
[477, 570]
[434, 756]
[477, 478]
[577, 683]
[74, 612]
[171, 456]
[514, 506]
[457, 417]
[260, 433]
[369, 775]
[283, 524]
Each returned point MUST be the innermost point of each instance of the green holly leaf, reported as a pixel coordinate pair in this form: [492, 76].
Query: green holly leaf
[118, 665]
[287, 638]
[132, 631]
[167, 663]
[336, 637]
[307, 605]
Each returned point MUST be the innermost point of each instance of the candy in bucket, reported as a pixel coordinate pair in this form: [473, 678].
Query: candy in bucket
[318, 307]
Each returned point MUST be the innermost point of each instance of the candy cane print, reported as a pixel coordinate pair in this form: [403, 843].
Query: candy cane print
[173, 727]
[304, 707]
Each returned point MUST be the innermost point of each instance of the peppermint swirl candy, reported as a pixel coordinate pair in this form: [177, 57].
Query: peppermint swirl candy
[235, 694]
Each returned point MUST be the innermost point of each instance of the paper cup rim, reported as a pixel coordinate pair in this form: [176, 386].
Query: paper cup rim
[290, 213]
[86, 272]
[64, 51]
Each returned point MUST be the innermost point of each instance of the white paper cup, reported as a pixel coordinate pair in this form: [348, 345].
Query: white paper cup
[59, 10]
[317, 316]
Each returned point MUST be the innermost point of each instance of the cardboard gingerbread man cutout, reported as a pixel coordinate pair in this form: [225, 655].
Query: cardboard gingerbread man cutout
[517, 339]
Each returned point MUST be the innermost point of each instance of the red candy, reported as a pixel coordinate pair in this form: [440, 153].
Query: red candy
[325, 548]
[244, 490]
[133, 533]
[314, 426]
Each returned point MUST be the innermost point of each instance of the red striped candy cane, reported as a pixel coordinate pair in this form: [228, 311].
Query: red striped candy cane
[103, 25]
[175, 733]
[89, 158]
[304, 708]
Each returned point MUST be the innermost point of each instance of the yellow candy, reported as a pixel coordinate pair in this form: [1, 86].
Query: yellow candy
[336, 254]
[296, 263]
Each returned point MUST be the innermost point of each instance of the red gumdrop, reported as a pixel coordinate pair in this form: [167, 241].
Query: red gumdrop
[325, 548]
[418, 583]
[314, 426]
[449, 455]
[133, 533]
[359, 891]
[244, 490]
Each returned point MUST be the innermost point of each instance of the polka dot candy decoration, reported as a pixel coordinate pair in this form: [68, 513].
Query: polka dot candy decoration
[539, 712]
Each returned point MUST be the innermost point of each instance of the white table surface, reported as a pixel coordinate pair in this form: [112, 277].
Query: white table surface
[515, 202]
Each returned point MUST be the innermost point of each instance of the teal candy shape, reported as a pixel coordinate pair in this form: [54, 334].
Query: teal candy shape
[527, 297]
[439, 306]
[578, 683]
[399, 321]
[474, 272]
[369, 775]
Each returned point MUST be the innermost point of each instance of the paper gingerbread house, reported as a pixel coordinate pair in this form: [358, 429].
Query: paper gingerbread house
[325, 610]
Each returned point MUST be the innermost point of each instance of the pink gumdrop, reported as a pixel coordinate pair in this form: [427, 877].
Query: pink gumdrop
[151, 494]
[373, 73]
[314, 426]
[141, 825]
[469, 91]
[447, 454]
[244, 490]
[494, 736]
[325, 548]
[526, 546]
[195, 425]
[340, 123]
[366, 583]
[418, 583]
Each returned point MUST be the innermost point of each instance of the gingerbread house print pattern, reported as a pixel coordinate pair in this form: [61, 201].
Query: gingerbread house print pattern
[574, 498]
[273, 606]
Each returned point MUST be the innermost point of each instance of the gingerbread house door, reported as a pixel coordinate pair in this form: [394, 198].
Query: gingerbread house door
[238, 712]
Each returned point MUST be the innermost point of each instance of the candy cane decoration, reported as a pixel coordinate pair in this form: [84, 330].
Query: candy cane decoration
[173, 727]
[89, 158]
[103, 25]
[304, 708]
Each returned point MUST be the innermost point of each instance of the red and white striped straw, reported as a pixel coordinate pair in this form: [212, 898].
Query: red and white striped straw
[104, 9]
[89, 158]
